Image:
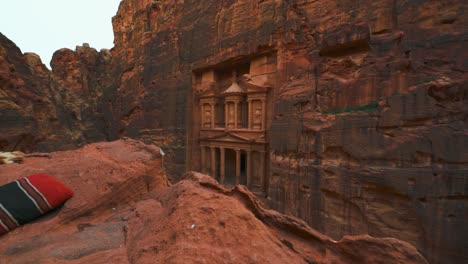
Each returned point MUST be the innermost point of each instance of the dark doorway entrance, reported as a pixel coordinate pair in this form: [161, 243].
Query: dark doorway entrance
[230, 178]
[230, 166]
[243, 176]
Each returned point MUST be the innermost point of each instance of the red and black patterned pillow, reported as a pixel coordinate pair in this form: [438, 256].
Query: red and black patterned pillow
[28, 198]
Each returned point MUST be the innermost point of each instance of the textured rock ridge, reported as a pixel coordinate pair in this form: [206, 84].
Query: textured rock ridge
[125, 211]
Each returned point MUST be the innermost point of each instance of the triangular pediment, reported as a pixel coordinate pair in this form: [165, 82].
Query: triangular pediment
[252, 88]
[229, 136]
[210, 91]
[256, 86]
[256, 83]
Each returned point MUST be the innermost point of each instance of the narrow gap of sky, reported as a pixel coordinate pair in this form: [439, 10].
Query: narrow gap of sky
[45, 26]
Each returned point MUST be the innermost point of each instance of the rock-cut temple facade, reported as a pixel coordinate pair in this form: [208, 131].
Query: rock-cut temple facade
[230, 112]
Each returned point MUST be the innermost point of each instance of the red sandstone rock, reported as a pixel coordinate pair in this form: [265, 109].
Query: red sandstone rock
[102, 174]
[124, 211]
[37, 113]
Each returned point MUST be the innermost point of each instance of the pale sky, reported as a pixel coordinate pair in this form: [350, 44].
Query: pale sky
[44, 26]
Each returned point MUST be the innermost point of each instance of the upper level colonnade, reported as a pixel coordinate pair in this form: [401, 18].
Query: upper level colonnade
[242, 106]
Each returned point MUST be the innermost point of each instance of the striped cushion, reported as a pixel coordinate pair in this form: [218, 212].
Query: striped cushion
[28, 198]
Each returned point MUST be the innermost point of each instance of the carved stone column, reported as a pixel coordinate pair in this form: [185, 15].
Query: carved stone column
[222, 166]
[262, 171]
[249, 167]
[212, 115]
[202, 116]
[213, 162]
[250, 115]
[238, 166]
[236, 114]
[263, 114]
[203, 159]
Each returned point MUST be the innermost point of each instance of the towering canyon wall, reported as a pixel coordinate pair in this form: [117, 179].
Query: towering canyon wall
[42, 110]
[367, 121]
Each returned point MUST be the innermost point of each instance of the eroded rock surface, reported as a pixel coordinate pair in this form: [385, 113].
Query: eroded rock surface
[124, 211]
[47, 111]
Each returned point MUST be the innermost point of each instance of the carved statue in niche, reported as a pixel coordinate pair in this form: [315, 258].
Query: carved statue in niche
[231, 115]
[207, 117]
[257, 118]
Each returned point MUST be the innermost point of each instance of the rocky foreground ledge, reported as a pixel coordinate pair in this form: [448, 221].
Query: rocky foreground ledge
[125, 211]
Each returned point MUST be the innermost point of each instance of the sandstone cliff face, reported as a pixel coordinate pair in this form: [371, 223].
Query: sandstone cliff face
[367, 127]
[368, 117]
[84, 74]
[124, 211]
[377, 139]
[26, 101]
[46, 111]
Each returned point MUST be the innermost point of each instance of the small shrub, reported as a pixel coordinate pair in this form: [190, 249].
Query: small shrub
[362, 108]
